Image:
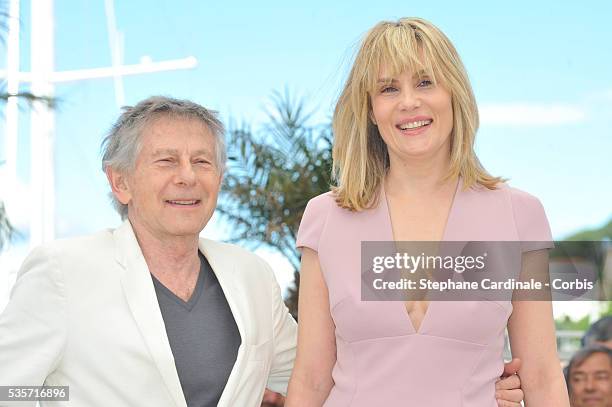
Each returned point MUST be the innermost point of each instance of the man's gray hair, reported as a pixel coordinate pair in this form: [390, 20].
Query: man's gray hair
[121, 145]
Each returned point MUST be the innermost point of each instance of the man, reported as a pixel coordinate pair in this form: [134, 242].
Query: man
[590, 377]
[149, 314]
[115, 315]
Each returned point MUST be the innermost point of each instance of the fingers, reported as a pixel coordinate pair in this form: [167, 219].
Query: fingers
[508, 383]
[511, 396]
[511, 367]
[508, 389]
[504, 403]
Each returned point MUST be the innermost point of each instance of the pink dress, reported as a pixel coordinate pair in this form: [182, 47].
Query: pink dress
[456, 356]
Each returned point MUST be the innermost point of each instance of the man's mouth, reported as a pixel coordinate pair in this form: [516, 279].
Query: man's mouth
[183, 202]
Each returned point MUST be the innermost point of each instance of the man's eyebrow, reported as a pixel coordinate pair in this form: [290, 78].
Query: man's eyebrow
[164, 151]
[202, 152]
[172, 151]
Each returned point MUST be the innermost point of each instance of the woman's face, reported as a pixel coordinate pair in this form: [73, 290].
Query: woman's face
[414, 116]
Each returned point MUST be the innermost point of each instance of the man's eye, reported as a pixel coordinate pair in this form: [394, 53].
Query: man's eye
[164, 160]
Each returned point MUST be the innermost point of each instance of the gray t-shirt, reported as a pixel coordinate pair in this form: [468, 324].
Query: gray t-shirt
[203, 336]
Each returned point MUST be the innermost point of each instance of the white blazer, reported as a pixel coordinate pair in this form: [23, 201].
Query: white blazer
[84, 313]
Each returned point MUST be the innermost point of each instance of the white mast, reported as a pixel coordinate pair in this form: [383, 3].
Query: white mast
[12, 87]
[43, 79]
[42, 124]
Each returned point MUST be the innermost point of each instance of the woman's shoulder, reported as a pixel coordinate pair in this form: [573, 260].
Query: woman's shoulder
[528, 213]
[322, 202]
[517, 197]
[520, 200]
[313, 220]
[508, 208]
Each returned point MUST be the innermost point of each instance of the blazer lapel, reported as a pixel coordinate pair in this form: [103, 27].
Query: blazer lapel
[140, 294]
[223, 266]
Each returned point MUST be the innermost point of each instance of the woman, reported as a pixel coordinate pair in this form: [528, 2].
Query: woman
[405, 169]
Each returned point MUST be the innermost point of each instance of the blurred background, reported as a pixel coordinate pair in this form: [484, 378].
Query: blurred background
[273, 70]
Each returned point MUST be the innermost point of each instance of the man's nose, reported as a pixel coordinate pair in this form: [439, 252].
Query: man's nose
[185, 174]
[590, 383]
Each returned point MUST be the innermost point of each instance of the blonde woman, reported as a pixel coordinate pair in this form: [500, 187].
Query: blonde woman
[406, 170]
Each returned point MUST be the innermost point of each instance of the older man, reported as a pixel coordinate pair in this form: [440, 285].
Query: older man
[149, 314]
[590, 377]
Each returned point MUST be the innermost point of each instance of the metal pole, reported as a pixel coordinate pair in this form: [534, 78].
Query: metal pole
[12, 87]
[42, 221]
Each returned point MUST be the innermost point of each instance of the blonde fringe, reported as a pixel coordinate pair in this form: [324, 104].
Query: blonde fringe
[360, 158]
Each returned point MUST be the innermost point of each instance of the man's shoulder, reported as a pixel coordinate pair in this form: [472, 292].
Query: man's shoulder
[79, 244]
[230, 250]
[240, 260]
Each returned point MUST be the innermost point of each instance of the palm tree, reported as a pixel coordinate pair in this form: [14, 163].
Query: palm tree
[272, 174]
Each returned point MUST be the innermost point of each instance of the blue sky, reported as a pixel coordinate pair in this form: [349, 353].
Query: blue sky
[541, 71]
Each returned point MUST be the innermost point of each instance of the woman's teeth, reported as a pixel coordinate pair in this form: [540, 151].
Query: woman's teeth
[414, 125]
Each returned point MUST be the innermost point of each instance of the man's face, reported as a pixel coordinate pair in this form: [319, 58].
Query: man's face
[172, 191]
[591, 382]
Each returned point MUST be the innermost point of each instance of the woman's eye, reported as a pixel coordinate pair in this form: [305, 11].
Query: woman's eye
[388, 89]
[425, 83]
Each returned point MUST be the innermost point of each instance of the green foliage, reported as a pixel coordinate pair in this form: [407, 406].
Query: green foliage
[567, 324]
[30, 98]
[602, 233]
[272, 174]
[591, 245]
[606, 308]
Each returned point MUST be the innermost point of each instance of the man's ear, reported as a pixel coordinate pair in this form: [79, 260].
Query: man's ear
[119, 185]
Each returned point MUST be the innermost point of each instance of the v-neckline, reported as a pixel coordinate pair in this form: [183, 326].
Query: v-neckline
[195, 295]
[385, 208]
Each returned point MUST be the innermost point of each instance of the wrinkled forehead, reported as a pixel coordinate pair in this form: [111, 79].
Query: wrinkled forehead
[168, 131]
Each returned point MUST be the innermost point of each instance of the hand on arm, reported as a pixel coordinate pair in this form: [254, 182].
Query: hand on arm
[508, 390]
[311, 380]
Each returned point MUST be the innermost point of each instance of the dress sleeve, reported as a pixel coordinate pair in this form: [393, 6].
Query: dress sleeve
[531, 222]
[313, 222]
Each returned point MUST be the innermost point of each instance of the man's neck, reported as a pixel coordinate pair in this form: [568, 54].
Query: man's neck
[174, 257]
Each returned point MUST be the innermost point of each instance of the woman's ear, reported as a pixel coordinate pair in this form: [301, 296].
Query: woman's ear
[119, 185]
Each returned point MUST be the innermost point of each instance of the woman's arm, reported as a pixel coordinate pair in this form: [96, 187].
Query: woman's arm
[311, 379]
[532, 339]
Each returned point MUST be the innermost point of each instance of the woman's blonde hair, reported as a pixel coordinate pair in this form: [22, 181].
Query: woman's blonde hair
[360, 156]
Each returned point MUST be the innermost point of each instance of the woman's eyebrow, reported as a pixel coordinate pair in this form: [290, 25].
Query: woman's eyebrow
[386, 80]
